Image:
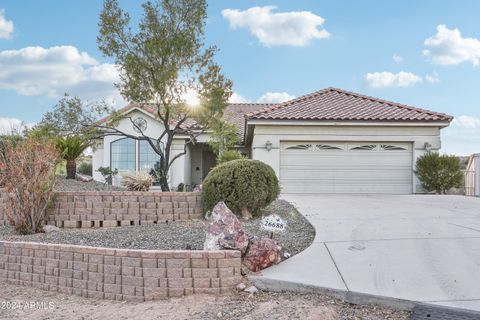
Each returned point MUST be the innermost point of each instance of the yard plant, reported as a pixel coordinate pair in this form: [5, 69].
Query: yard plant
[71, 148]
[439, 173]
[229, 155]
[28, 175]
[162, 60]
[245, 185]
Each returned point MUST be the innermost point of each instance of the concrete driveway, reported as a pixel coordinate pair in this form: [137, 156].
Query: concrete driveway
[414, 247]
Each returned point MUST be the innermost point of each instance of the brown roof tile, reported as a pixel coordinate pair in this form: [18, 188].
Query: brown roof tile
[332, 104]
[235, 114]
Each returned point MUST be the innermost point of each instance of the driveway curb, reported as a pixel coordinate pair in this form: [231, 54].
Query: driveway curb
[352, 297]
[266, 284]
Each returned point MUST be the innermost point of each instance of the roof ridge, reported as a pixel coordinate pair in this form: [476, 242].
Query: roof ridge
[391, 103]
[288, 102]
[345, 92]
[251, 103]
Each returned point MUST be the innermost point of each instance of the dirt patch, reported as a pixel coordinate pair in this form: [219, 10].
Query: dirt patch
[282, 306]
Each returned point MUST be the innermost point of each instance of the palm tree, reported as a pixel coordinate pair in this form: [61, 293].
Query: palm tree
[71, 148]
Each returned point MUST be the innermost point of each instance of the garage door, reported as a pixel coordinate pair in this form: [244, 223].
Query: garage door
[346, 167]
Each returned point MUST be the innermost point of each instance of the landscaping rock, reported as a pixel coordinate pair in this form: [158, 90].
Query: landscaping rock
[241, 286]
[262, 253]
[251, 290]
[83, 178]
[49, 228]
[225, 231]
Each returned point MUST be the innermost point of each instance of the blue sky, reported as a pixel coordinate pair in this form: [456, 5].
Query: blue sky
[422, 53]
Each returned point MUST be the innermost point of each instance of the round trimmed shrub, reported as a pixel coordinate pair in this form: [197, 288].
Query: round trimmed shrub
[244, 185]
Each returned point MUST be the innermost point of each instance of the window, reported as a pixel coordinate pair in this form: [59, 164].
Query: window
[147, 156]
[327, 147]
[388, 147]
[123, 155]
[301, 147]
[367, 147]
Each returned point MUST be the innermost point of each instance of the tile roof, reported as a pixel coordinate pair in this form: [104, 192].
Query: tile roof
[235, 114]
[332, 104]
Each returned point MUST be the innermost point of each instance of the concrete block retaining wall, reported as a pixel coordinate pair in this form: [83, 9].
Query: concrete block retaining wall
[117, 208]
[118, 274]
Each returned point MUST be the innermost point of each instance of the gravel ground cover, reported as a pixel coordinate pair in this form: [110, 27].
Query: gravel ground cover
[263, 305]
[174, 235]
[71, 185]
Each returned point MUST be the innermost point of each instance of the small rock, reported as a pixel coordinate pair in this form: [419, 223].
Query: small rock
[286, 255]
[262, 253]
[241, 286]
[251, 289]
[83, 177]
[49, 228]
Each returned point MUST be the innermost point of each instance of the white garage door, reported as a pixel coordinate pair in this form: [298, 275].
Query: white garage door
[346, 167]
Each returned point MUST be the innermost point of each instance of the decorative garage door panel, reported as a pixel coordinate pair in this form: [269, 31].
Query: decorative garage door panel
[350, 167]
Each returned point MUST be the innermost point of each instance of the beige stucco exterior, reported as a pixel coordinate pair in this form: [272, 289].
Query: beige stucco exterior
[183, 170]
[191, 168]
[420, 136]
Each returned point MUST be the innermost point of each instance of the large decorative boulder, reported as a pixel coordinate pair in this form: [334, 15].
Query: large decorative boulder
[225, 231]
[262, 253]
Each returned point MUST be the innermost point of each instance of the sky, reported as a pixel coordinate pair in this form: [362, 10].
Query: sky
[420, 53]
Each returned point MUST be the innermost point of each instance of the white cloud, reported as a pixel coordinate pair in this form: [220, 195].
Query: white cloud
[275, 97]
[462, 137]
[447, 47]
[12, 125]
[467, 122]
[237, 98]
[432, 77]
[6, 26]
[397, 58]
[295, 28]
[389, 79]
[50, 72]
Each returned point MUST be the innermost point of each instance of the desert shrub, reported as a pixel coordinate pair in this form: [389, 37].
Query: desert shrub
[28, 177]
[11, 140]
[439, 173]
[107, 174]
[245, 185]
[181, 187]
[229, 155]
[137, 181]
[85, 168]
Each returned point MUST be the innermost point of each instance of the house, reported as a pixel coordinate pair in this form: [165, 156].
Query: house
[472, 176]
[330, 141]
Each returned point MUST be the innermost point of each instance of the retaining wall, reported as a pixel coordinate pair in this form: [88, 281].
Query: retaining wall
[117, 208]
[118, 274]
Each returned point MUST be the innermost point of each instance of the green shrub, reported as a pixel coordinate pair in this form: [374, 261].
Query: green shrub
[245, 185]
[229, 155]
[439, 173]
[85, 168]
[181, 187]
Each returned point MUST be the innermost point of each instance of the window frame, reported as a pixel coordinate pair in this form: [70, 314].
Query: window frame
[137, 154]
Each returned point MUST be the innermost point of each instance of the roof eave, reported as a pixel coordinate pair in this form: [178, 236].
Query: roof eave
[433, 123]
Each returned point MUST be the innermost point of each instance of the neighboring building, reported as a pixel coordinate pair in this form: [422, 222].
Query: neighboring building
[472, 176]
[330, 141]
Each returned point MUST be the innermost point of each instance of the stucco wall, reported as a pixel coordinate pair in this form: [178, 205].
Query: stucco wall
[101, 154]
[118, 274]
[181, 170]
[417, 135]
